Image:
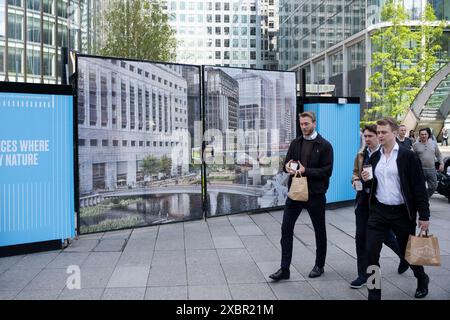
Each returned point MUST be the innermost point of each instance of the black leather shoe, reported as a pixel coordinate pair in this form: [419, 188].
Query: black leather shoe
[281, 274]
[316, 272]
[402, 266]
[422, 287]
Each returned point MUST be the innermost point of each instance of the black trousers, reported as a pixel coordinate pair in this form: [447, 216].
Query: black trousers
[381, 220]
[316, 209]
[362, 219]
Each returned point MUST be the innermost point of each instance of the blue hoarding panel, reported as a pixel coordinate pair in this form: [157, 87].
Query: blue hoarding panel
[339, 124]
[36, 168]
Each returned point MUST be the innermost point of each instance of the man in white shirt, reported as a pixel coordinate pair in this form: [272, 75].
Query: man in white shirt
[397, 194]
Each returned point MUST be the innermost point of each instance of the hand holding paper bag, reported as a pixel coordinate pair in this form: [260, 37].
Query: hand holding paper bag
[299, 188]
[423, 250]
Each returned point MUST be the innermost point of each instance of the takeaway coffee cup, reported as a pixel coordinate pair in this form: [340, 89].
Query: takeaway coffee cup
[294, 165]
[358, 185]
[368, 168]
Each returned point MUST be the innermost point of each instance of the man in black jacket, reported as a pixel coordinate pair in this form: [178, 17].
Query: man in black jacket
[397, 193]
[312, 156]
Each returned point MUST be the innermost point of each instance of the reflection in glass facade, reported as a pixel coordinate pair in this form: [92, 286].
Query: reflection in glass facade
[331, 39]
[32, 33]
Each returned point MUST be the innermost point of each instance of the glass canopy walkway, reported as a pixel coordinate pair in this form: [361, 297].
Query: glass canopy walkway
[431, 107]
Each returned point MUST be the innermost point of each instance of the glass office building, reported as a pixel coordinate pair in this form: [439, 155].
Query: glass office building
[331, 39]
[235, 33]
[32, 33]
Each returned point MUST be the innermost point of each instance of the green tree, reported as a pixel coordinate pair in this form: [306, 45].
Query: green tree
[404, 58]
[151, 165]
[166, 165]
[138, 29]
[430, 34]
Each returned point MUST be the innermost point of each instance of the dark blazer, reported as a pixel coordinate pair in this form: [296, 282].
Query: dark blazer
[319, 166]
[412, 183]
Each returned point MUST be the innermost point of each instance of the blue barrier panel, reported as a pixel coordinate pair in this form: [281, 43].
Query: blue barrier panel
[36, 167]
[339, 124]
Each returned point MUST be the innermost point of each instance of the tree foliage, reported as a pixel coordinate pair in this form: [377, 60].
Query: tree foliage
[403, 59]
[166, 165]
[151, 165]
[138, 29]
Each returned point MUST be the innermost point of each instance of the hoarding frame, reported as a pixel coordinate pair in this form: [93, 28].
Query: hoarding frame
[258, 210]
[42, 89]
[74, 79]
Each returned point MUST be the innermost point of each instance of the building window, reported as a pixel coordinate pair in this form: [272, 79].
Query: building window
[104, 143]
[124, 143]
[93, 142]
[115, 143]
[98, 175]
[133, 143]
[132, 109]
[81, 142]
[218, 44]
[140, 110]
[123, 96]
[104, 101]
[92, 99]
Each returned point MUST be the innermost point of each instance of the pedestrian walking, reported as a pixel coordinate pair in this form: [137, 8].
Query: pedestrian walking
[428, 151]
[397, 194]
[402, 140]
[362, 210]
[444, 136]
[312, 156]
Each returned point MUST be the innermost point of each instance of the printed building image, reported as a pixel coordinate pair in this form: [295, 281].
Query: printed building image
[126, 112]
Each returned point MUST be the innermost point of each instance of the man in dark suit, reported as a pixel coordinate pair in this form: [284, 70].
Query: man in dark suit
[397, 194]
[312, 155]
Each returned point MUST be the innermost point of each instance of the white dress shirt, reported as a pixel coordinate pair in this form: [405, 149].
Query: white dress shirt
[312, 136]
[388, 188]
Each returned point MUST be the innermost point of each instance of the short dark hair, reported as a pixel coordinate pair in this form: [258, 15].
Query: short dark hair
[371, 128]
[388, 122]
[308, 114]
[428, 130]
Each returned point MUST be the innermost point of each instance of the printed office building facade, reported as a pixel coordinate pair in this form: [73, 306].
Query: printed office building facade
[126, 112]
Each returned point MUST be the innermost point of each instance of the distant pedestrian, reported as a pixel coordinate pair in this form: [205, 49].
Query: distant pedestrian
[427, 150]
[444, 136]
[412, 136]
[402, 140]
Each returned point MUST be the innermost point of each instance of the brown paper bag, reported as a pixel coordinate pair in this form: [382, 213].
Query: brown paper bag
[423, 250]
[299, 188]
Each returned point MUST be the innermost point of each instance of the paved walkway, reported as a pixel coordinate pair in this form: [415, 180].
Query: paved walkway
[223, 258]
